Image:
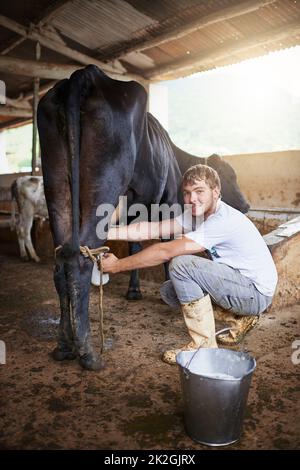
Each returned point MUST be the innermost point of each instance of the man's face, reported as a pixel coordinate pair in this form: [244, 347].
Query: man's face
[202, 198]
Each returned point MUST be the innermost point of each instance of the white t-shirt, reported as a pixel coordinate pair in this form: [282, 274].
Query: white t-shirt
[234, 240]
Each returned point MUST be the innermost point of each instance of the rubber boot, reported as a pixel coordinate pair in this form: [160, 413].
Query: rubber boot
[239, 326]
[199, 319]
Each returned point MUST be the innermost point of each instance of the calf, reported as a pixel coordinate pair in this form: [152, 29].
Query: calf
[28, 193]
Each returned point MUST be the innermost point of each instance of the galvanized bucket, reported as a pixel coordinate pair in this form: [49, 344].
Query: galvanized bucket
[215, 385]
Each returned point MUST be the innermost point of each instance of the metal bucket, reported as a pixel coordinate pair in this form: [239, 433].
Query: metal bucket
[215, 385]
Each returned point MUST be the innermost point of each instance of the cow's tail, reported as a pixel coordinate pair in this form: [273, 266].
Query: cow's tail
[73, 133]
[14, 196]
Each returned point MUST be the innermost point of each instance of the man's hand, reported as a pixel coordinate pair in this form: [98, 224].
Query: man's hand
[110, 263]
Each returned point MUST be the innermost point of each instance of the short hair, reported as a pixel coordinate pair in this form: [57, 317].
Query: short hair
[202, 172]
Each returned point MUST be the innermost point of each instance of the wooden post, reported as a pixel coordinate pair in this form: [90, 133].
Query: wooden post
[36, 86]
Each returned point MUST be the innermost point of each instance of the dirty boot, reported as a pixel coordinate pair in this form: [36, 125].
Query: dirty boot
[239, 326]
[199, 319]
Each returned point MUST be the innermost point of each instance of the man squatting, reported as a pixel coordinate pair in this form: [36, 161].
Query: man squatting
[240, 277]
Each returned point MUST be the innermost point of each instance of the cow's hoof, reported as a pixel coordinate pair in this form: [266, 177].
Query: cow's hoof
[91, 362]
[134, 294]
[25, 259]
[59, 355]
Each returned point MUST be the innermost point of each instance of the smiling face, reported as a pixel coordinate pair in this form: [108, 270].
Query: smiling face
[201, 188]
[202, 198]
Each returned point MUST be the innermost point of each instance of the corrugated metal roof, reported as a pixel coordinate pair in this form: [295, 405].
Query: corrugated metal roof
[106, 29]
[98, 24]
[180, 13]
[231, 32]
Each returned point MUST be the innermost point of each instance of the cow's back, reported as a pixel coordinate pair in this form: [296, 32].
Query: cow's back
[231, 193]
[167, 171]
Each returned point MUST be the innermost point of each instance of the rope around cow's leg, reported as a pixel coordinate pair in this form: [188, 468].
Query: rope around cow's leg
[100, 303]
[95, 257]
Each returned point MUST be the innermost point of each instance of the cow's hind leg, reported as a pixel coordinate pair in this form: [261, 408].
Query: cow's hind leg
[78, 272]
[134, 292]
[28, 242]
[89, 359]
[166, 265]
[65, 345]
[166, 269]
[21, 241]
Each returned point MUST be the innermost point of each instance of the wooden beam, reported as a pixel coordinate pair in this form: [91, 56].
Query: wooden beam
[194, 62]
[20, 104]
[13, 111]
[12, 45]
[12, 25]
[47, 70]
[36, 87]
[30, 68]
[53, 10]
[116, 70]
[12, 124]
[227, 13]
[42, 90]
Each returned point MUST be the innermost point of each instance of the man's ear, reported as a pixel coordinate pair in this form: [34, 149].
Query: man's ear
[216, 193]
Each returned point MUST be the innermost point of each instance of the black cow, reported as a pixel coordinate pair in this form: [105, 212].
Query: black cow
[97, 143]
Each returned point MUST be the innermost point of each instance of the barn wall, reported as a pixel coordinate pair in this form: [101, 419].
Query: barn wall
[269, 180]
[285, 257]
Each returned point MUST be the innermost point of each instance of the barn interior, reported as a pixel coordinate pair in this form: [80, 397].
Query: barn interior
[136, 401]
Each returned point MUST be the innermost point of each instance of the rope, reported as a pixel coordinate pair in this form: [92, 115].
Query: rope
[90, 253]
[94, 255]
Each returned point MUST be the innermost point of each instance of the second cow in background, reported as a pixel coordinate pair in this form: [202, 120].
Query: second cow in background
[28, 193]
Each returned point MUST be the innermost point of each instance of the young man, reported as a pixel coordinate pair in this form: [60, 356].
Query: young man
[241, 276]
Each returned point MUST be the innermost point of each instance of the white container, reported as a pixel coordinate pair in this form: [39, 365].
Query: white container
[96, 275]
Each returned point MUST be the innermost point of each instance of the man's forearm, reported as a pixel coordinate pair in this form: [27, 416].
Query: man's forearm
[135, 232]
[151, 256]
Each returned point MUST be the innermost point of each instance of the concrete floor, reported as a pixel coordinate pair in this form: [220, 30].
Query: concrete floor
[136, 401]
